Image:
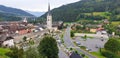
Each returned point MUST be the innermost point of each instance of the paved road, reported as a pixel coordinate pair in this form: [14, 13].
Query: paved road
[68, 42]
[67, 38]
[62, 54]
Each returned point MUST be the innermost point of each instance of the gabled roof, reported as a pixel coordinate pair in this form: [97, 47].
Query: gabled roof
[75, 55]
[3, 37]
[9, 38]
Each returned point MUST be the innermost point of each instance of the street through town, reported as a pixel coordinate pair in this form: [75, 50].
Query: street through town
[69, 44]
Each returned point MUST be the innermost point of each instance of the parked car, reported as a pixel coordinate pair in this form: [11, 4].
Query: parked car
[78, 43]
[90, 50]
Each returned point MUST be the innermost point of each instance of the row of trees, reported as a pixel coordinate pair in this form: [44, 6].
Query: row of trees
[112, 28]
[47, 48]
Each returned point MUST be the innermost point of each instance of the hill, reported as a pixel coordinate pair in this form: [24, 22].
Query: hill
[36, 13]
[76, 11]
[8, 13]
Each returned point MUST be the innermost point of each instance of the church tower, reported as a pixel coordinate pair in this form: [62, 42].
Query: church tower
[25, 20]
[49, 18]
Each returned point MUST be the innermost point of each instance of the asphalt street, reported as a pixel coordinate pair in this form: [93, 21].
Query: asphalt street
[62, 54]
[69, 44]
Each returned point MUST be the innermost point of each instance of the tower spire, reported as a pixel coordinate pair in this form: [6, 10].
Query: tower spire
[49, 9]
[49, 18]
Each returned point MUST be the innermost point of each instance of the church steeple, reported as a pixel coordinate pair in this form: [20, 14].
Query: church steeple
[49, 18]
[49, 13]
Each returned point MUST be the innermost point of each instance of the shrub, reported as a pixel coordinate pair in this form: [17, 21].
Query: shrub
[83, 55]
[108, 54]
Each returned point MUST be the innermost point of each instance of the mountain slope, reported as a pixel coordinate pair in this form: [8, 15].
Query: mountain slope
[9, 14]
[75, 11]
[35, 13]
[5, 9]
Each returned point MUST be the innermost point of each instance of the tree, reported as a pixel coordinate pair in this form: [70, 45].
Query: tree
[72, 34]
[112, 45]
[24, 38]
[32, 53]
[16, 53]
[110, 28]
[85, 37]
[83, 55]
[48, 47]
[107, 54]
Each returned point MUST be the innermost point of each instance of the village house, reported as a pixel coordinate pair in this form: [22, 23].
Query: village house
[16, 27]
[93, 30]
[6, 41]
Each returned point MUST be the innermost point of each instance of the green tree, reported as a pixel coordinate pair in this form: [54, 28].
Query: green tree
[24, 38]
[107, 54]
[72, 34]
[32, 53]
[48, 47]
[16, 53]
[83, 55]
[85, 37]
[113, 45]
[110, 28]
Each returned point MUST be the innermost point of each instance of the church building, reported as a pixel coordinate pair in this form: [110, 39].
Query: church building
[52, 25]
[49, 18]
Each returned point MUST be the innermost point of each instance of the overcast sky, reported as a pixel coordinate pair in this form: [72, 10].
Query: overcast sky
[35, 5]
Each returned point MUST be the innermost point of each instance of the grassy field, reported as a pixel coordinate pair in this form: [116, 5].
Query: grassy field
[118, 16]
[116, 23]
[97, 54]
[103, 14]
[3, 51]
[98, 13]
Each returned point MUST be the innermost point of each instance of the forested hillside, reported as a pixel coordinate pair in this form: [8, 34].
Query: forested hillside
[87, 9]
[10, 14]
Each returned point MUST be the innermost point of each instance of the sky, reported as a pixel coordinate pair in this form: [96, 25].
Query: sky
[35, 5]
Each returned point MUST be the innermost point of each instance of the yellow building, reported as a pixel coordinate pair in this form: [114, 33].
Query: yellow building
[93, 30]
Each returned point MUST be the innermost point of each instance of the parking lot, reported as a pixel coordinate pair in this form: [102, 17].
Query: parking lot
[92, 44]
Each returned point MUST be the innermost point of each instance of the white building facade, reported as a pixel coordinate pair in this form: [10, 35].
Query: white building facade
[8, 43]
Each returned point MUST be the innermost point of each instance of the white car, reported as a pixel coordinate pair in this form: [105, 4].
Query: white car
[78, 43]
[90, 50]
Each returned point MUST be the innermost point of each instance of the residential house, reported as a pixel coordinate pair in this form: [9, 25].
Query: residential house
[2, 38]
[93, 30]
[8, 42]
[106, 21]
